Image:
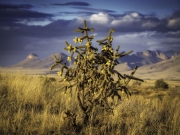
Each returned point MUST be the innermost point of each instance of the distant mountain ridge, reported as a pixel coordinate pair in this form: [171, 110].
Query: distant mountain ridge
[172, 53]
[144, 58]
[32, 61]
[154, 54]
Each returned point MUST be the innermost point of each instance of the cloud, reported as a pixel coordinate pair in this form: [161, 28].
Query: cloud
[133, 30]
[72, 4]
[78, 13]
[22, 14]
[130, 22]
[174, 34]
[174, 15]
[127, 19]
[174, 23]
[12, 15]
[133, 22]
[100, 18]
[150, 24]
[145, 34]
[13, 6]
[94, 9]
[173, 20]
[150, 40]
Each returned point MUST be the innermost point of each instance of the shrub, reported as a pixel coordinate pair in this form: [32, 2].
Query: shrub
[161, 84]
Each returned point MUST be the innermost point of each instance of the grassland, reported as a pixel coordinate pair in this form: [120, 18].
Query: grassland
[33, 104]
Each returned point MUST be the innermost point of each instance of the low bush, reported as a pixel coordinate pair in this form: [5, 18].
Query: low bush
[161, 84]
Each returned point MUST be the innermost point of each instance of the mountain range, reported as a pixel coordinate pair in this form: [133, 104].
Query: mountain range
[129, 62]
[167, 69]
[33, 61]
[147, 57]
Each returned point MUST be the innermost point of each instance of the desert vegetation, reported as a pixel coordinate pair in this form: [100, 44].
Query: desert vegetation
[93, 75]
[160, 83]
[30, 105]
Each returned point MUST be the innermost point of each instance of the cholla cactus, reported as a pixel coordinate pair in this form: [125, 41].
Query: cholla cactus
[94, 85]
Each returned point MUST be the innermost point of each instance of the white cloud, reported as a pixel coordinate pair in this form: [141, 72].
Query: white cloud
[134, 21]
[135, 15]
[80, 19]
[101, 18]
[173, 33]
[116, 22]
[156, 48]
[148, 40]
[174, 23]
[127, 19]
[137, 34]
[152, 43]
[94, 34]
[104, 18]
[34, 22]
[150, 24]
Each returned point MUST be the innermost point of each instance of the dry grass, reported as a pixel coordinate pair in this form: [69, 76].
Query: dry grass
[33, 105]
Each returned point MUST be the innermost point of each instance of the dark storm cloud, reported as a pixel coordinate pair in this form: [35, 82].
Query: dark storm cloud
[22, 14]
[12, 6]
[94, 9]
[58, 28]
[79, 13]
[173, 21]
[10, 14]
[72, 4]
[175, 14]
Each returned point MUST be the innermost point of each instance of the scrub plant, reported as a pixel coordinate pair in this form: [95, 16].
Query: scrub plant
[161, 84]
[93, 72]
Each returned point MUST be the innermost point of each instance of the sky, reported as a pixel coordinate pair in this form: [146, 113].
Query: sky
[43, 26]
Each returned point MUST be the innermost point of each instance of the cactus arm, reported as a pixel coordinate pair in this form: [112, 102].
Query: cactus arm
[78, 30]
[132, 77]
[100, 41]
[110, 32]
[124, 54]
[90, 106]
[92, 29]
[57, 62]
[55, 58]
[126, 91]
[119, 74]
[54, 66]
[80, 102]
[126, 82]
[96, 97]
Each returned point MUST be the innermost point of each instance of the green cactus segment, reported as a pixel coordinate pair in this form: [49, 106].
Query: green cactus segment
[94, 72]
